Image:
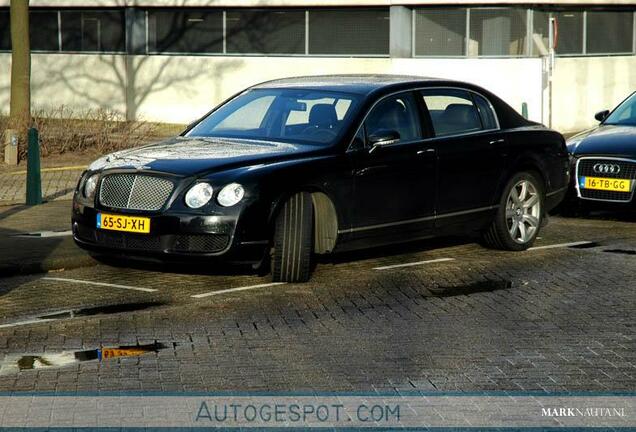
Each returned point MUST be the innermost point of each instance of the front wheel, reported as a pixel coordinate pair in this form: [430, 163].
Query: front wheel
[519, 215]
[293, 240]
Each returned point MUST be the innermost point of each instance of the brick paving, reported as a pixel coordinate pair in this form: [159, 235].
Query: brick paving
[556, 320]
[56, 185]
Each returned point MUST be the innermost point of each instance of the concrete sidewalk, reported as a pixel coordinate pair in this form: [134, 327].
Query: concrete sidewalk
[57, 184]
[24, 250]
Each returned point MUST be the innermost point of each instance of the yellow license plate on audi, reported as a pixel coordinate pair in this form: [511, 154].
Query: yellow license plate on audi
[606, 184]
[132, 224]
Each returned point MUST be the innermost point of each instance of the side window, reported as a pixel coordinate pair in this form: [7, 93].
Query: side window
[397, 113]
[452, 111]
[486, 112]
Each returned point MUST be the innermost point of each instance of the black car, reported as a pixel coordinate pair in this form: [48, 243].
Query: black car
[604, 158]
[296, 167]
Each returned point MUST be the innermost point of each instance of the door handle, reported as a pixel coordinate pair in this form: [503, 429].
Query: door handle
[430, 150]
[497, 141]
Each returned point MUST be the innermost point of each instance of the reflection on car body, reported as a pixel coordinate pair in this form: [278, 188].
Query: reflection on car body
[292, 168]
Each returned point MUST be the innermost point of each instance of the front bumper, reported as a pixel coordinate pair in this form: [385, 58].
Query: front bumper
[173, 237]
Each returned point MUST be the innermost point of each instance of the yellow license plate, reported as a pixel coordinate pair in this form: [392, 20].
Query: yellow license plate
[607, 184]
[123, 223]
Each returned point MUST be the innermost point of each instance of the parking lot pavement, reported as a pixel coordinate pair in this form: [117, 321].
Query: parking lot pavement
[38, 238]
[57, 184]
[437, 315]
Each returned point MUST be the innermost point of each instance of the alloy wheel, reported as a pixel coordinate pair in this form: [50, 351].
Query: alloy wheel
[523, 211]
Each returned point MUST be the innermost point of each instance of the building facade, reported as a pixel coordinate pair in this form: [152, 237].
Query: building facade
[171, 61]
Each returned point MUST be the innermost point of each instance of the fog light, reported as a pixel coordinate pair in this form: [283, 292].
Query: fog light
[198, 195]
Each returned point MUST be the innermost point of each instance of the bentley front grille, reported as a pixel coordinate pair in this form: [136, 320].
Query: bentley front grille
[134, 191]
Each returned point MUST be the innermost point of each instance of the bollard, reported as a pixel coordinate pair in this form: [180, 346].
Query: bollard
[34, 180]
[524, 110]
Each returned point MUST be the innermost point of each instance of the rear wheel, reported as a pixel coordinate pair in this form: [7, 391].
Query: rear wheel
[293, 240]
[519, 216]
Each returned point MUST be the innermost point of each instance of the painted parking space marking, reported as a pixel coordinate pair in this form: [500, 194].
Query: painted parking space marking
[414, 263]
[79, 281]
[44, 234]
[230, 290]
[26, 322]
[560, 245]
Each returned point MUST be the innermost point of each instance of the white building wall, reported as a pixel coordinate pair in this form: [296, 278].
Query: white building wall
[585, 85]
[179, 89]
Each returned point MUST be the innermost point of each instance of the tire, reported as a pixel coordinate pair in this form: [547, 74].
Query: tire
[293, 240]
[503, 233]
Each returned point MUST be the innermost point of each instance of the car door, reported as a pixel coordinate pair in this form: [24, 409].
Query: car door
[394, 185]
[468, 141]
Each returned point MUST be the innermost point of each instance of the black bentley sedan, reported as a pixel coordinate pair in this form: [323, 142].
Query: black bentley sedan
[604, 158]
[296, 167]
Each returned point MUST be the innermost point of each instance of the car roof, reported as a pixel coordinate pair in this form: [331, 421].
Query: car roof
[360, 84]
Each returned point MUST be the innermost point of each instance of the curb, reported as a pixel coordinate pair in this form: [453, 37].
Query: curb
[52, 264]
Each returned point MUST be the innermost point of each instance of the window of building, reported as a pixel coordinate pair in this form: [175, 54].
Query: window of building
[185, 31]
[570, 32]
[266, 31]
[5, 33]
[93, 30]
[349, 31]
[540, 33]
[609, 32]
[452, 111]
[44, 30]
[440, 32]
[498, 32]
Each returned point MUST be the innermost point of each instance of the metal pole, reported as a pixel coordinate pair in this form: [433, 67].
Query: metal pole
[34, 180]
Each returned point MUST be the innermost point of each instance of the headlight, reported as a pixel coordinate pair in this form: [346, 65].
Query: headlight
[198, 195]
[91, 186]
[231, 194]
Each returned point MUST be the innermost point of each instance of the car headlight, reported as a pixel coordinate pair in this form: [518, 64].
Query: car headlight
[198, 195]
[91, 186]
[231, 194]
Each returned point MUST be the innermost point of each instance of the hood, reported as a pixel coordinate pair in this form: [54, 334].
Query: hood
[189, 156]
[611, 140]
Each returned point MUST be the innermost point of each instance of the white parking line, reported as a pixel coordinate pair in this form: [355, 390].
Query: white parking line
[413, 263]
[560, 245]
[26, 322]
[225, 291]
[100, 284]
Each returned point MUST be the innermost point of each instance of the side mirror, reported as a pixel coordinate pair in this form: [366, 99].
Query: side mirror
[382, 138]
[601, 115]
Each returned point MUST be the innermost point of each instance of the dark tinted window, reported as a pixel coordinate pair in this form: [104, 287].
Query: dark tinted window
[349, 31]
[266, 31]
[5, 33]
[440, 32]
[395, 113]
[452, 111]
[486, 112]
[570, 37]
[93, 30]
[43, 30]
[185, 31]
[610, 32]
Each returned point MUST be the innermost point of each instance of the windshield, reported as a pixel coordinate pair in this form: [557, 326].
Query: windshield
[625, 114]
[287, 115]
